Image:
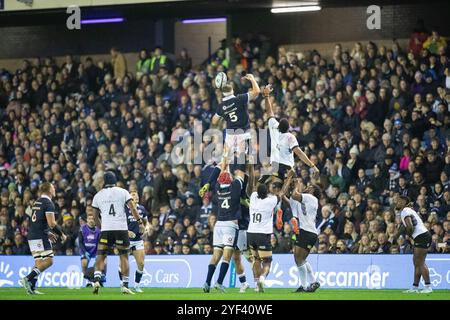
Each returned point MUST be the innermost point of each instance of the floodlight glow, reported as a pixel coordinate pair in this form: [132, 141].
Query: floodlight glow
[104, 20]
[296, 9]
[205, 20]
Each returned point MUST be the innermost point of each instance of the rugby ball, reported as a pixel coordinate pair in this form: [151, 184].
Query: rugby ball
[220, 80]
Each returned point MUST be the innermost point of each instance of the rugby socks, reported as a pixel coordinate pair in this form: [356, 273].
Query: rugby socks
[310, 274]
[138, 276]
[211, 269]
[223, 271]
[125, 281]
[302, 274]
[242, 278]
[33, 274]
[97, 276]
[33, 283]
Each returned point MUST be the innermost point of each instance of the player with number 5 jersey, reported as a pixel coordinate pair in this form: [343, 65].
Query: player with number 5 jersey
[233, 109]
[109, 204]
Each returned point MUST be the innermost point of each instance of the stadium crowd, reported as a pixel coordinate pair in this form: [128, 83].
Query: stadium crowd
[374, 119]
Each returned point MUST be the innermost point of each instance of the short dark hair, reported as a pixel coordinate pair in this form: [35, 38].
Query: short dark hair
[283, 125]
[262, 191]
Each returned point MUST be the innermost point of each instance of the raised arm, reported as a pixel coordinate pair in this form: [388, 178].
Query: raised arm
[266, 93]
[255, 90]
[287, 184]
[304, 158]
[251, 186]
[215, 121]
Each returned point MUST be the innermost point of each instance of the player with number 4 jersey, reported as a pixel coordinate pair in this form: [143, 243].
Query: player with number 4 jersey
[226, 228]
[109, 204]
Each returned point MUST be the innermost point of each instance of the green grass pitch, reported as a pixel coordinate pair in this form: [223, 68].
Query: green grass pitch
[231, 294]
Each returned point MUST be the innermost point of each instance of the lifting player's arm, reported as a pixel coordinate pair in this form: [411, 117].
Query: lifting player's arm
[303, 157]
[266, 92]
[255, 90]
[283, 195]
[251, 186]
[216, 121]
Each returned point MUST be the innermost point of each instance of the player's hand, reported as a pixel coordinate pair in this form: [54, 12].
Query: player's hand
[203, 190]
[279, 222]
[248, 77]
[291, 173]
[63, 237]
[295, 227]
[87, 255]
[52, 237]
[131, 234]
[267, 90]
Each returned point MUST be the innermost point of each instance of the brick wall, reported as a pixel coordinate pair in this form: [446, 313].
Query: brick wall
[343, 24]
[194, 37]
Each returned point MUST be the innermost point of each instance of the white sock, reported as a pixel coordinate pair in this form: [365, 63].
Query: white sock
[427, 286]
[302, 275]
[310, 274]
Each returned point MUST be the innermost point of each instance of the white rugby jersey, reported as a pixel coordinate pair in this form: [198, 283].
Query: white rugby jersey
[282, 144]
[306, 212]
[111, 202]
[417, 223]
[261, 213]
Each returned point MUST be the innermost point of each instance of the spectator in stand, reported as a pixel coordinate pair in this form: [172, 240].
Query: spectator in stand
[119, 64]
[435, 42]
[184, 60]
[143, 64]
[158, 60]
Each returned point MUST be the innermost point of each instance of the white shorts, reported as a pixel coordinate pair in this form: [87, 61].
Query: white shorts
[225, 234]
[237, 142]
[136, 245]
[39, 251]
[242, 241]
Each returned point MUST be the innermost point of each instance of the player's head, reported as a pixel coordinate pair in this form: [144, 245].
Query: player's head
[314, 190]
[224, 178]
[402, 201]
[90, 220]
[48, 189]
[283, 125]
[135, 196]
[109, 179]
[262, 191]
[275, 186]
[227, 90]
